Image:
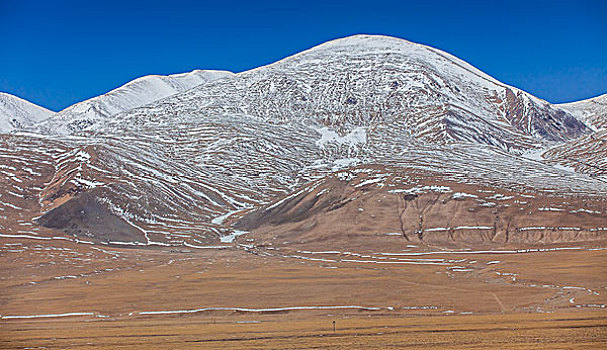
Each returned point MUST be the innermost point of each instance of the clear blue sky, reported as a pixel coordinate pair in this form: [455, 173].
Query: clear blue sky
[56, 53]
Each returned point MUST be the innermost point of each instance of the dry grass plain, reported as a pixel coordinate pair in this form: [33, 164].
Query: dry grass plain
[580, 330]
[168, 299]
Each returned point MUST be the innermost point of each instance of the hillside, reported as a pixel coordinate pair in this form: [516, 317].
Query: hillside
[180, 170]
[592, 111]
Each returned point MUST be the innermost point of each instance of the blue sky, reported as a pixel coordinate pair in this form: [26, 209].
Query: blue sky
[56, 53]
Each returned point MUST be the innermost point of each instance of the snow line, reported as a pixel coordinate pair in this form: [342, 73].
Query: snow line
[25, 236]
[276, 309]
[206, 246]
[9, 317]
[518, 251]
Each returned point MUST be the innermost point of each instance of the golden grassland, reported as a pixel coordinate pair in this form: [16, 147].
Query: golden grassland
[549, 299]
[563, 330]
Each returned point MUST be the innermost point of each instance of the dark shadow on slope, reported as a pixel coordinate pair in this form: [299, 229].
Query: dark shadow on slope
[84, 216]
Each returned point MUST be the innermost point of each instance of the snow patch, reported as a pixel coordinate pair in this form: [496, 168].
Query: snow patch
[356, 137]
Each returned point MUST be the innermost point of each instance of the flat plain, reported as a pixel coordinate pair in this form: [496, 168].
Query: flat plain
[63, 295]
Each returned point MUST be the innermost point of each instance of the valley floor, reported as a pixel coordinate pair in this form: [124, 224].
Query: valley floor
[579, 330]
[59, 294]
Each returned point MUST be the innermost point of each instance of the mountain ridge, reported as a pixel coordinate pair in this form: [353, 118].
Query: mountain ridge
[16, 113]
[133, 94]
[96, 104]
[180, 170]
[415, 68]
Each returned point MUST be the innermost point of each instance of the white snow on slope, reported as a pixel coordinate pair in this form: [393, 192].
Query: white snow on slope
[357, 136]
[365, 80]
[592, 111]
[16, 113]
[137, 93]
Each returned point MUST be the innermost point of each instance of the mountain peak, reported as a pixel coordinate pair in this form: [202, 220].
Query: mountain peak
[136, 93]
[16, 113]
[437, 97]
[369, 40]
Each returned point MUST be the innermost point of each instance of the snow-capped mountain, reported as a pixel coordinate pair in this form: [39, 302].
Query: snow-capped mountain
[363, 81]
[592, 111]
[16, 113]
[432, 95]
[133, 94]
[177, 170]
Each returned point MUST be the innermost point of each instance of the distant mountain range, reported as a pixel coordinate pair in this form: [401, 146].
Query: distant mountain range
[295, 146]
[21, 114]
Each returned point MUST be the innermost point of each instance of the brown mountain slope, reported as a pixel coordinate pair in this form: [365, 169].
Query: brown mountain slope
[372, 205]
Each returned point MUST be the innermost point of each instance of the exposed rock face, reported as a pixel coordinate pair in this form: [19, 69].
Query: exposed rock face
[544, 121]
